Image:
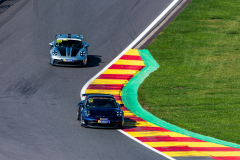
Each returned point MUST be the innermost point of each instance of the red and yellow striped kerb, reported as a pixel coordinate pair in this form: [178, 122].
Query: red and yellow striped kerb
[168, 142]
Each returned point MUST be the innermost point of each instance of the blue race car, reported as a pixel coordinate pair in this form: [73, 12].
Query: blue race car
[100, 111]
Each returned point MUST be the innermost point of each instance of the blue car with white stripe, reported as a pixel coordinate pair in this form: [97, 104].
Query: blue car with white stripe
[100, 111]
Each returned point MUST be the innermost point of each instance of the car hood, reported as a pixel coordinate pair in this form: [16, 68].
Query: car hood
[68, 51]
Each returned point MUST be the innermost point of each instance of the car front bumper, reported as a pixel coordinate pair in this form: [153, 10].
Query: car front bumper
[96, 124]
[68, 61]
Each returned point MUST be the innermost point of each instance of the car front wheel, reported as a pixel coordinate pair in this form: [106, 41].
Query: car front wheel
[82, 120]
[78, 114]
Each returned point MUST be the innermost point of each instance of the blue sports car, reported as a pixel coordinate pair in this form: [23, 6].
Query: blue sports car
[100, 111]
[68, 50]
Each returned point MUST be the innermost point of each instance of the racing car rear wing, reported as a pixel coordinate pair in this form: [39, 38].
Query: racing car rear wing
[95, 94]
[85, 95]
[69, 36]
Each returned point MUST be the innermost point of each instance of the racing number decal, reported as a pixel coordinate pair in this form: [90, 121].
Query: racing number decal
[61, 40]
[90, 100]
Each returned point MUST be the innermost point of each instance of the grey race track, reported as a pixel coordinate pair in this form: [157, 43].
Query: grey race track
[38, 102]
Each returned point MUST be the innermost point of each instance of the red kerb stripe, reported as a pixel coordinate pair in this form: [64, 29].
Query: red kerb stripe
[124, 108]
[186, 148]
[215, 149]
[116, 76]
[129, 57]
[168, 139]
[227, 158]
[175, 148]
[117, 97]
[143, 129]
[106, 86]
[129, 67]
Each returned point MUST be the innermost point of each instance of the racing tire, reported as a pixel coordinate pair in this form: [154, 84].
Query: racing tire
[85, 63]
[120, 125]
[81, 120]
[78, 114]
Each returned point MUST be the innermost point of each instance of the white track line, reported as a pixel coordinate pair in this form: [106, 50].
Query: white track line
[130, 46]
[122, 53]
[145, 145]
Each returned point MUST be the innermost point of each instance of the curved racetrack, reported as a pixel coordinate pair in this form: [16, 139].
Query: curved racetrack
[38, 102]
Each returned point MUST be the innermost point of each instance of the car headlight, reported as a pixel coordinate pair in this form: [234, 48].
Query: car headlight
[54, 52]
[119, 114]
[82, 53]
[87, 113]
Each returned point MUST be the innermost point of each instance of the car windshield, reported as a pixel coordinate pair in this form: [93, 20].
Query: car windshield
[68, 43]
[101, 102]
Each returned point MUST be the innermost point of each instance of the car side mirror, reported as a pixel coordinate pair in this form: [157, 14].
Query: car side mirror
[121, 105]
[80, 104]
[51, 45]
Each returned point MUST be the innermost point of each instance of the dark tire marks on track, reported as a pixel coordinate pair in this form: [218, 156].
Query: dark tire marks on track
[13, 13]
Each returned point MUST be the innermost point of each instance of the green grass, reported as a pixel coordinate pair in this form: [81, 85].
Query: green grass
[197, 86]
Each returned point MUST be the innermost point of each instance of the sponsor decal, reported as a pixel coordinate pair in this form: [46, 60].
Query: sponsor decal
[103, 120]
[67, 60]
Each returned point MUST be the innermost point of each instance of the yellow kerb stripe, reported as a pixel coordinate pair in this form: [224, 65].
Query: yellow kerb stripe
[128, 114]
[190, 144]
[119, 101]
[109, 81]
[144, 123]
[130, 62]
[221, 153]
[120, 71]
[185, 154]
[203, 153]
[154, 133]
[133, 52]
[113, 92]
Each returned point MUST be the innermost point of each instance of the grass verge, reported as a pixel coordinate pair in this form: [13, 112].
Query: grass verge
[197, 86]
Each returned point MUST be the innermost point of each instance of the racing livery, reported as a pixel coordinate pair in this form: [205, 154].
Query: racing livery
[68, 50]
[100, 111]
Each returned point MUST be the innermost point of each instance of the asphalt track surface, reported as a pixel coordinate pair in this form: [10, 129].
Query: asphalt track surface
[38, 102]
